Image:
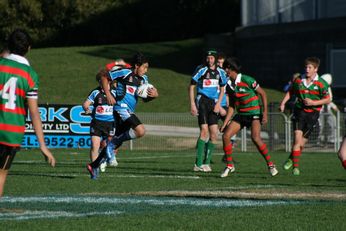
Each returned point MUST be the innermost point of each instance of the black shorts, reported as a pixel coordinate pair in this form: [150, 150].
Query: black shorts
[206, 114]
[305, 121]
[246, 120]
[7, 154]
[122, 126]
[102, 128]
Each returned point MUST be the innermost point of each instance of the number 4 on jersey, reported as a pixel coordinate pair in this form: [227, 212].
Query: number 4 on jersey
[9, 93]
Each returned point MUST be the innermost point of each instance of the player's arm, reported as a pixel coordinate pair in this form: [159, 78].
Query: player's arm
[152, 94]
[106, 87]
[229, 115]
[284, 101]
[36, 121]
[86, 106]
[193, 107]
[263, 95]
[310, 102]
[219, 100]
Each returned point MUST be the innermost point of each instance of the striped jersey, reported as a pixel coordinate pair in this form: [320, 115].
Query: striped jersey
[209, 81]
[127, 85]
[101, 110]
[242, 91]
[317, 89]
[18, 81]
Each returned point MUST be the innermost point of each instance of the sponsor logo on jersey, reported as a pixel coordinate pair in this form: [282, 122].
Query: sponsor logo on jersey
[254, 84]
[242, 90]
[131, 89]
[210, 82]
[104, 110]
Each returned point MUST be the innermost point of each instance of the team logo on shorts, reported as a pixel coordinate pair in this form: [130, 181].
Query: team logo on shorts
[255, 117]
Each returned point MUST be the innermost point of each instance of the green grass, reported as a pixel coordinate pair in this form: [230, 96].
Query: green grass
[159, 191]
[67, 74]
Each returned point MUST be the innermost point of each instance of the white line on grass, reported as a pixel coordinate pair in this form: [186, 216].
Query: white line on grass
[215, 202]
[120, 204]
[29, 214]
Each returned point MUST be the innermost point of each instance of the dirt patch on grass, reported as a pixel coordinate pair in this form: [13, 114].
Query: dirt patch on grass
[258, 194]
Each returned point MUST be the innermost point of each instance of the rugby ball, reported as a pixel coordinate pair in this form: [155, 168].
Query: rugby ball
[328, 78]
[142, 90]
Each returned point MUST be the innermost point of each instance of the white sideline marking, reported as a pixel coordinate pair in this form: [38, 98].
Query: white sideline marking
[215, 202]
[125, 203]
[28, 214]
[105, 175]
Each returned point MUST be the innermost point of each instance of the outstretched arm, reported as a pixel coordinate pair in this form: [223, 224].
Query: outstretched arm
[36, 121]
[263, 95]
[193, 107]
[106, 87]
[284, 101]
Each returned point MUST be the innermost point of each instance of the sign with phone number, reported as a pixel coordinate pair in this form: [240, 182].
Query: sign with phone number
[65, 126]
[58, 141]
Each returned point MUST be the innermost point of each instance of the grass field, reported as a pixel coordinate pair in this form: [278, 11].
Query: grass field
[63, 70]
[159, 191]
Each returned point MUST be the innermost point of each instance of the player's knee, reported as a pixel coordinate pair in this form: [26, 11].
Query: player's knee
[140, 132]
[204, 134]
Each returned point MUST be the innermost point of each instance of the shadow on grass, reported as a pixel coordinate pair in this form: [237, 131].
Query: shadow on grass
[181, 57]
[51, 175]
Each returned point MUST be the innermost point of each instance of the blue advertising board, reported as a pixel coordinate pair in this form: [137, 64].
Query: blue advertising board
[64, 126]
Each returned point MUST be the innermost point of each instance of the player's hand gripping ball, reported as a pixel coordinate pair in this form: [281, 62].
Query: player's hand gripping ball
[142, 90]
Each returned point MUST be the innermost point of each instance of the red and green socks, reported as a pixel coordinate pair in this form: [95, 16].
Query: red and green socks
[295, 158]
[264, 151]
[228, 152]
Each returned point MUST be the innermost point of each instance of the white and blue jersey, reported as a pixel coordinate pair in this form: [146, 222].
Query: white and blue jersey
[101, 110]
[126, 91]
[209, 81]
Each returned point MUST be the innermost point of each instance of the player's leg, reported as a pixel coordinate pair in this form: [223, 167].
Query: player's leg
[342, 152]
[95, 146]
[261, 146]
[229, 131]
[306, 126]
[109, 132]
[213, 131]
[298, 122]
[3, 175]
[203, 111]
[201, 147]
[6, 157]
[131, 129]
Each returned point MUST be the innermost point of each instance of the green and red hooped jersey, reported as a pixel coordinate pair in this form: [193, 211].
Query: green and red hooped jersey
[17, 82]
[317, 89]
[243, 93]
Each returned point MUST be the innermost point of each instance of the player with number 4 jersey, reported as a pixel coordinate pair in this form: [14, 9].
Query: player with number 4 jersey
[18, 89]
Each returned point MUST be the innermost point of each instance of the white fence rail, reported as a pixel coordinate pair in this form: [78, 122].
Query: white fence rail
[179, 131]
